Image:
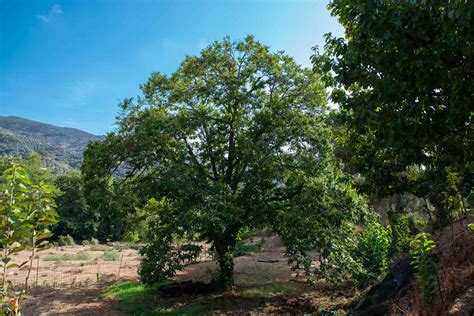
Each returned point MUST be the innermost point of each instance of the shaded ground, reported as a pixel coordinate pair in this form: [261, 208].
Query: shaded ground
[69, 301]
[264, 284]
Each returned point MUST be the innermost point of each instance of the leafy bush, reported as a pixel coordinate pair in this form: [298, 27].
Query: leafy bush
[27, 208]
[402, 231]
[340, 264]
[373, 249]
[425, 268]
[66, 241]
[161, 260]
[131, 236]
[470, 227]
[110, 255]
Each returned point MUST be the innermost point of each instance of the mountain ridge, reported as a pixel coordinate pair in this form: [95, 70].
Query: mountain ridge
[61, 148]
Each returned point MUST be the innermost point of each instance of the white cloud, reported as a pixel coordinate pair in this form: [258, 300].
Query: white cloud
[55, 10]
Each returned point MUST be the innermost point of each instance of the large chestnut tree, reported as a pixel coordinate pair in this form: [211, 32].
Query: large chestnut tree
[235, 138]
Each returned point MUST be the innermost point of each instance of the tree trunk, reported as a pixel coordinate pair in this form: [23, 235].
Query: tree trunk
[225, 280]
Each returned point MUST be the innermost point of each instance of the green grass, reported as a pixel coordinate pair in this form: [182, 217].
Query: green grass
[80, 256]
[130, 297]
[133, 298]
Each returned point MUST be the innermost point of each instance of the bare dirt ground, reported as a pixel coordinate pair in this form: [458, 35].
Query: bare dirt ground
[252, 273]
[73, 287]
[61, 267]
[69, 301]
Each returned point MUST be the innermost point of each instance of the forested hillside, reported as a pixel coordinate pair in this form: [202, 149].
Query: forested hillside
[60, 147]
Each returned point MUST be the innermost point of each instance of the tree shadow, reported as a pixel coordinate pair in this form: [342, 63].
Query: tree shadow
[68, 301]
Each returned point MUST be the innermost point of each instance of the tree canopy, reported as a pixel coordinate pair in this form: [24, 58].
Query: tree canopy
[77, 219]
[403, 79]
[236, 138]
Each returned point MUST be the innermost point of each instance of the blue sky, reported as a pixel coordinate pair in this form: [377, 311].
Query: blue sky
[69, 63]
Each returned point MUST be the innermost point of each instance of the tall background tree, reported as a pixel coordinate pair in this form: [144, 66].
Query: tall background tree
[403, 78]
[77, 219]
[236, 138]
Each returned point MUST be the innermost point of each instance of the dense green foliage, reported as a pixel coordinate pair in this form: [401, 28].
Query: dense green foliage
[77, 219]
[403, 80]
[236, 138]
[27, 208]
[403, 232]
[33, 165]
[117, 206]
[373, 249]
[425, 268]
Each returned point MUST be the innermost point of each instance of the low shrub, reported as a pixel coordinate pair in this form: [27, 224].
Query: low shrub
[52, 258]
[110, 255]
[66, 241]
[425, 268]
[402, 231]
[470, 227]
[80, 256]
[242, 249]
[99, 248]
[374, 247]
[91, 242]
[131, 237]
[117, 245]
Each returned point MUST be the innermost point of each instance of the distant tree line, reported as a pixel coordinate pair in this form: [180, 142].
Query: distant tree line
[79, 217]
